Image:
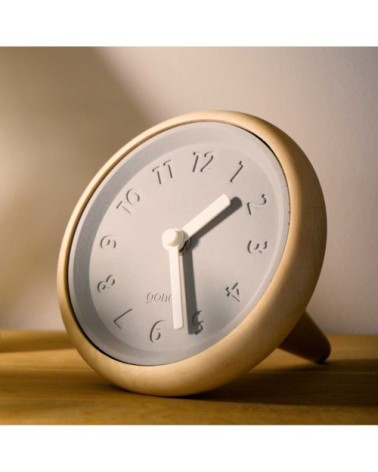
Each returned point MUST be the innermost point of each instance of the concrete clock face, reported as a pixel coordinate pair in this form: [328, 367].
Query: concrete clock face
[178, 243]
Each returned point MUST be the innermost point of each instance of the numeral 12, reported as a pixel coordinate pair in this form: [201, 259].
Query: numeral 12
[206, 156]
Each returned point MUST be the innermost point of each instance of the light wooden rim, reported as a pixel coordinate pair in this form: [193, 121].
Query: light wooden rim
[279, 308]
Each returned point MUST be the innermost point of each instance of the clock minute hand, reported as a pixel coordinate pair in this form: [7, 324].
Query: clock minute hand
[173, 240]
[206, 216]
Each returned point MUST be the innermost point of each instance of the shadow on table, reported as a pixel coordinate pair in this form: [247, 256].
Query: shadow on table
[340, 382]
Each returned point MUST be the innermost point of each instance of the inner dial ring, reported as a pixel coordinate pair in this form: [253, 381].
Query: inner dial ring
[118, 271]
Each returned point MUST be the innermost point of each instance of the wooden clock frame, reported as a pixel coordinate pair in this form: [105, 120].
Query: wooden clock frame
[278, 319]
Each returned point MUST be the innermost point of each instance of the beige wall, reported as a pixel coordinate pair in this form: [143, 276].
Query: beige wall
[63, 112]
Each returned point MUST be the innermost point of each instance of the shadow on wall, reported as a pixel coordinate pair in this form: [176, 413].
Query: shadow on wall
[62, 115]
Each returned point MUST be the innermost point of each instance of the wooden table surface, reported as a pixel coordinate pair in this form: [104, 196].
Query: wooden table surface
[43, 380]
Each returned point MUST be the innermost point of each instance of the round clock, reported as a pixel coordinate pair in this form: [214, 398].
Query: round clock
[193, 254]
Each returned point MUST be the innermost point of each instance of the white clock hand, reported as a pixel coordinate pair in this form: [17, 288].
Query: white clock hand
[173, 240]
[206, 216]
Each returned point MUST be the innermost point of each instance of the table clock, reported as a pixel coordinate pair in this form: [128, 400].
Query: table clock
[193, 254]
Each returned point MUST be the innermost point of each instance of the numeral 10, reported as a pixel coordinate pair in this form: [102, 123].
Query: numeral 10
[131, 199]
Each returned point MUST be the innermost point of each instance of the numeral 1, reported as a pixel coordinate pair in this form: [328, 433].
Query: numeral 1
[237, 172]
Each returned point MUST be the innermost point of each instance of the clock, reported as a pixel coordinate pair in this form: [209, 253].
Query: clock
[193, 254]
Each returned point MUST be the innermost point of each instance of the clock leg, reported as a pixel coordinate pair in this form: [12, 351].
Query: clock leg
[307, 340]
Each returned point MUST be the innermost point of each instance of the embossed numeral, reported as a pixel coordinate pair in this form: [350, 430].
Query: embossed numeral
[204, 159]
[163, 172]
[155, 332]
[257, 248]
[131, 199]
[108, 242]
[237, 172]
[106, 284]
[234, 292]
[116, 320]
[254, 205]
[197, 323]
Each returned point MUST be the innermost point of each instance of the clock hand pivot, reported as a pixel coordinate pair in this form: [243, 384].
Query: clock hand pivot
[173, 238]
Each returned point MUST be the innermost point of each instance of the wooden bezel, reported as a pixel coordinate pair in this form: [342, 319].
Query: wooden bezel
[278, 310]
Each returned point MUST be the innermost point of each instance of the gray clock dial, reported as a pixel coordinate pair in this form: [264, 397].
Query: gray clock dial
[119, 275]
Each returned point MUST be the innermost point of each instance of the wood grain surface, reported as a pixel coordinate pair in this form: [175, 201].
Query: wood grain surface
[43, 380]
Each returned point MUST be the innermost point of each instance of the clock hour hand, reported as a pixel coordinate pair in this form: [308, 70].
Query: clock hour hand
[173, 240]
[206, 216]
